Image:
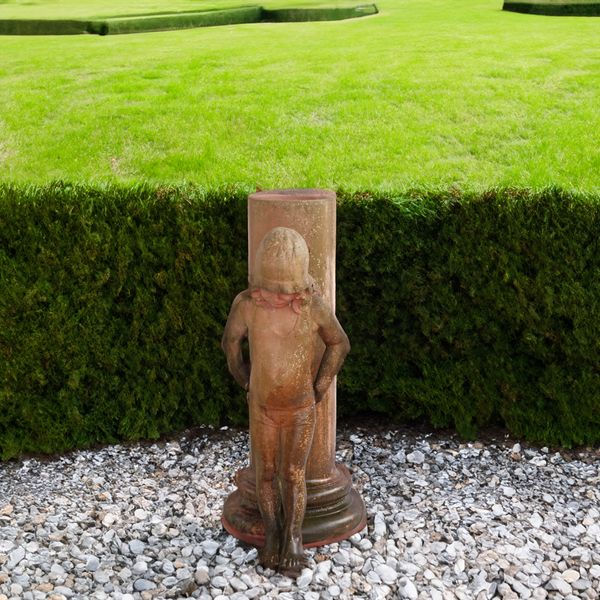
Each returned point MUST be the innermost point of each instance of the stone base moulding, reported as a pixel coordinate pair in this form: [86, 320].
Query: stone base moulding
[334, 510]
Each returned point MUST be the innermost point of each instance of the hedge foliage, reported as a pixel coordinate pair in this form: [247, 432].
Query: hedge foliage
[180, 20]
[292, 15]
[463, 310]
[42, 27]
[111, 311]
[164, 22]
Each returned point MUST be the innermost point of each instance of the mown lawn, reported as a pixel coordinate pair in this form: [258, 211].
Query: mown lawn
[428, 92]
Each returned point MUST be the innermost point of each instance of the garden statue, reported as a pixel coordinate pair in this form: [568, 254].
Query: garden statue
[286, 322]
[293, 493]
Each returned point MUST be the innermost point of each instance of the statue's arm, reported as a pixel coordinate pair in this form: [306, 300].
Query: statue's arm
[236, 330]
[337, 346]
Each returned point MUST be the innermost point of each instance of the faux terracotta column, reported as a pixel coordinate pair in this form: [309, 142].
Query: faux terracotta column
[334, 509]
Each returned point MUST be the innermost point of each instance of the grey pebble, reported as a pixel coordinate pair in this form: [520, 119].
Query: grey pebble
[170, 581]
[386, 574]
[407, 589]
[210, 547]
[219, 582]
[140, 567]
[341, 558]
[92, 564]
[305, 578]
[559, 585]
[141, 585]
[15, 557]
[137, 547]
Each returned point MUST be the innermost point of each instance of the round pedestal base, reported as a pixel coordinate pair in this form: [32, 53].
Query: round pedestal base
[334, 510]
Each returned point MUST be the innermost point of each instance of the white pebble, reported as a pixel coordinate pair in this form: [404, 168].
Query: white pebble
[570, 575]
[386, 573]
[407, 589]
[416, 457]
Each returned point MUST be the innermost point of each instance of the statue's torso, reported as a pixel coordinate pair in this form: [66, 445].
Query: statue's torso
[285, 352]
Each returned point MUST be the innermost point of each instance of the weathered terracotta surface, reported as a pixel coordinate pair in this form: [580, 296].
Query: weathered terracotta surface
[296, 346]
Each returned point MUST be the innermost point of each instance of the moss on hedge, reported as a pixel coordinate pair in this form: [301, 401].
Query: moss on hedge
[463, 310]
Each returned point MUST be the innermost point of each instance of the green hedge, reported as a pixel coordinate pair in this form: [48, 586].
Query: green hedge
[163, 22]
[111, 311]
[476, 309]
[555, 9]
[181, 20]
[42, 27]
[292, 15]
[463, 310]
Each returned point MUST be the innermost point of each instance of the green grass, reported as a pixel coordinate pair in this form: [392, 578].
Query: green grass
[428, 92]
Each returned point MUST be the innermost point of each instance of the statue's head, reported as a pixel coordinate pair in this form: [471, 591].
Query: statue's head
[281, 264]
[280, 275]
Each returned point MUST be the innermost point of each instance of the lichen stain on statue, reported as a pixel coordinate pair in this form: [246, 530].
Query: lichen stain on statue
[284, 318]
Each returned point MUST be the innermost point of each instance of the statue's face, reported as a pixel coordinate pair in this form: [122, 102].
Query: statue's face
[275, 299]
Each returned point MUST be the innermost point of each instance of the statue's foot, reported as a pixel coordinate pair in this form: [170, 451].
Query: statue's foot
[292, 565]
[293, 558]
[268, 556]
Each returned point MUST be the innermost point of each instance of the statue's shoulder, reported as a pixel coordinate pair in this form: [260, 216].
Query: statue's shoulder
[319, 307]
[244, 296]
[242, 301]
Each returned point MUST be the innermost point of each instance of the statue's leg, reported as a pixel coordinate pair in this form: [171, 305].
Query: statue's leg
[296, 441]
[264, 446]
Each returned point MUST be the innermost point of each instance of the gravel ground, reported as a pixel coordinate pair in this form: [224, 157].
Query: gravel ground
[446, 520]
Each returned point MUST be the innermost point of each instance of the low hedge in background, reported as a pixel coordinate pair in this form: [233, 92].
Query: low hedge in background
[463, 310]
[164, 22]
[294, 15]
[42, 27]
[181, 20]
[555, 9]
